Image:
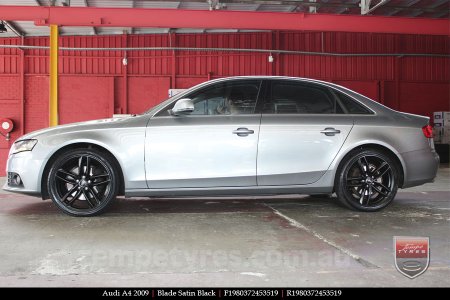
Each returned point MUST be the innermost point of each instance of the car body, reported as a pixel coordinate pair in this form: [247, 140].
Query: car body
[288, 135]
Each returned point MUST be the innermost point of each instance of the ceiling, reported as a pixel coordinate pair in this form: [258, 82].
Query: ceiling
[401, 8]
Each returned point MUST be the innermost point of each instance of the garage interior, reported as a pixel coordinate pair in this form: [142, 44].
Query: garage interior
[120, 57]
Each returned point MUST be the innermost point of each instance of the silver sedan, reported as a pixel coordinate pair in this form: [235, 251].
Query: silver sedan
[233, 136]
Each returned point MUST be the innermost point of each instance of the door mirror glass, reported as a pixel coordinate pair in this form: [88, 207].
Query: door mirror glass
[182, 106]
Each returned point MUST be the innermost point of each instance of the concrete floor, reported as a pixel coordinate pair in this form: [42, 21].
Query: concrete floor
[284, 241]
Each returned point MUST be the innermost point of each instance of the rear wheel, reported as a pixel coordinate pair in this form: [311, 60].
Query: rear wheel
[83, 182]
[367, 180]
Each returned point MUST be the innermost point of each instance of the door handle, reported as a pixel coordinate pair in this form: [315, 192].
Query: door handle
[243, 131]
[329, 131]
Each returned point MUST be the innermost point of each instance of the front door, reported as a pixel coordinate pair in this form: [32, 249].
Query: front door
[214, 146]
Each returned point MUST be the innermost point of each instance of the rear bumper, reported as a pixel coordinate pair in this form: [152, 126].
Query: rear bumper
[421, 167]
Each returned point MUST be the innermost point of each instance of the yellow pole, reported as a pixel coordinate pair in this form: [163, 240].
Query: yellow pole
[53, 103]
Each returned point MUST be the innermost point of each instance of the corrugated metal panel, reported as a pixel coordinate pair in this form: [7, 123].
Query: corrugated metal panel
[425, 69]
[36, 61]
[195, 63]
[149, 62]
[9, 58]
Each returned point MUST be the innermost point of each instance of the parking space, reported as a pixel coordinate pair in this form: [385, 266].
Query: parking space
[265, 241]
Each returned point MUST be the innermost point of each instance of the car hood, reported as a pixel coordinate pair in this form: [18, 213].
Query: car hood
[80, 126]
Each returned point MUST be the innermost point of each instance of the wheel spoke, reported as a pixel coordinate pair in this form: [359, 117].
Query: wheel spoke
[99, 176]
[91, 191]
[89, 200]
[386, 168]
[66, 180]
[75, 197]
[68, 193]
[379, 191]
[369, 194]
[363, 192]
[382, 186]
[101, 182]
[74, 176]
[84, 167]
[362, 167]
[80, 165]
[88, 165]
[366, 163]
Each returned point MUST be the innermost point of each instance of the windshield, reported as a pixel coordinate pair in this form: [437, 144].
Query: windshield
[159, 106]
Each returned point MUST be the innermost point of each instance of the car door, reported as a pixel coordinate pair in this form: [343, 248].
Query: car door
[302, 129]
[214, 146]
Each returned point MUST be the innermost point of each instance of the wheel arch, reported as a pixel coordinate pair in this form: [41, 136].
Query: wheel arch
[374, 146]
[79, 145]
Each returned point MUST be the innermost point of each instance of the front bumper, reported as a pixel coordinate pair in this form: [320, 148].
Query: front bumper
[421, 167]
[28, 168]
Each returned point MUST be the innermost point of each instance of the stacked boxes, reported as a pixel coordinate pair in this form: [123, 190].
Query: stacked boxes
[441, 120]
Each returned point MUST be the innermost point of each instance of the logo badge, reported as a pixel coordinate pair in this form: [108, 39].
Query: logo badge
[412, 255]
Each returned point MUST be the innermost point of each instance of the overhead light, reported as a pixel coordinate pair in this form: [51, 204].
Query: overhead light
[2, 27]
[270, 58]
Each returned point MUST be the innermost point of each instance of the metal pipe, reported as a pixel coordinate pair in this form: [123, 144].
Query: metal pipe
[53, 90]
[229, 49]
[376, 6]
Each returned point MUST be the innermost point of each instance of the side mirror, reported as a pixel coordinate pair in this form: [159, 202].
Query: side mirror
[182, 106]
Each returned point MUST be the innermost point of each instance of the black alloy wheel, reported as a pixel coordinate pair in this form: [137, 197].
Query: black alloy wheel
[83, 182]
[367, 180]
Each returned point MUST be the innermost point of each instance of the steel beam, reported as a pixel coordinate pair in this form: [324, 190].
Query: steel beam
[218, 19]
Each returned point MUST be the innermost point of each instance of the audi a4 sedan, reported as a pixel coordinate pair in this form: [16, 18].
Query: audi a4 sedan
[257, 135]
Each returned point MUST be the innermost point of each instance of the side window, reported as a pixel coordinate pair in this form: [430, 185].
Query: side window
[299, 98]
[228, 98]
[351, 106]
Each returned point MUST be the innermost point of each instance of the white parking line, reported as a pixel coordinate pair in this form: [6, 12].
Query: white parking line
[299, 225]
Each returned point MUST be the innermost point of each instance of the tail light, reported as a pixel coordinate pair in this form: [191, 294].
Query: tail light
[427, 131]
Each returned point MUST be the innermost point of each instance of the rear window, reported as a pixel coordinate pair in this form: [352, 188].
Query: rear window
[351, 106]
[299, 98]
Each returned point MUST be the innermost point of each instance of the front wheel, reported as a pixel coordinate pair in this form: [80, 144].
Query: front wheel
[367, 180]
[83, 182]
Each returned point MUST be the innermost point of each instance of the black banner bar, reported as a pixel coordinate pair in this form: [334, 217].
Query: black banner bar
[212, 293]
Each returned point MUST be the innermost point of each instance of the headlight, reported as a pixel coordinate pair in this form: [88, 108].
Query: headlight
[24, 145]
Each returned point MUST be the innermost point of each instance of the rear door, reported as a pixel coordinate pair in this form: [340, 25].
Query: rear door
[302, 129]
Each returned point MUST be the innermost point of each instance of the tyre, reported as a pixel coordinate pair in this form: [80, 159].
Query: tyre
[367, 180]
[83, 182]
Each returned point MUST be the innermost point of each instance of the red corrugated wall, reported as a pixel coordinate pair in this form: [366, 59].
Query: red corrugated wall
[95, 84]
